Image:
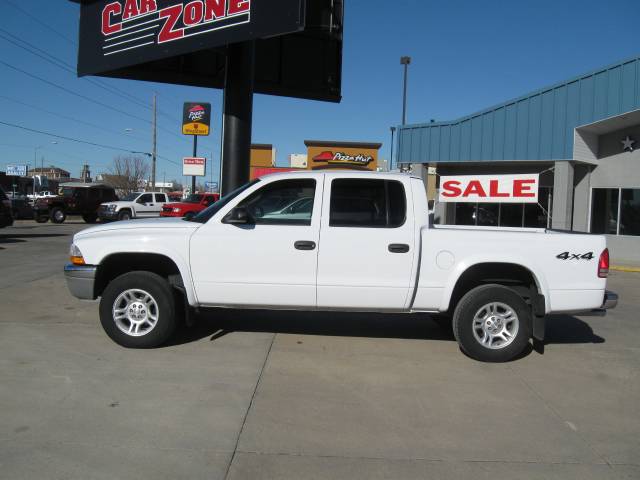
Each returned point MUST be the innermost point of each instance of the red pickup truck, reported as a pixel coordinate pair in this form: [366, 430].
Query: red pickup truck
[190, 207]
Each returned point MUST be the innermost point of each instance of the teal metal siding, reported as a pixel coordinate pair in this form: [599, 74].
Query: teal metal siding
[538, 126]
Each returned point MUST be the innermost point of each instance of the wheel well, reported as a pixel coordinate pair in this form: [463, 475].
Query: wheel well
[516, 277]
[121, 263]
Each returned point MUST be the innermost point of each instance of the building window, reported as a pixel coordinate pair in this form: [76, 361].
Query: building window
[615, 211]
[528, 215]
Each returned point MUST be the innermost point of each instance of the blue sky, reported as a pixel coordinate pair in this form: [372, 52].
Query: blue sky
[467, 55]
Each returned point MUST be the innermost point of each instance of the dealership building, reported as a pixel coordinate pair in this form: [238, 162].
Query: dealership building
[581, 136]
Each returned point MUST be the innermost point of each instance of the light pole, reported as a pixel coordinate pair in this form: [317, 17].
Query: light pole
[405, 61]
[393, 131]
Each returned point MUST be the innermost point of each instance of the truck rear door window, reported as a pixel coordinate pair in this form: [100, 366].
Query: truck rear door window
[367, 203]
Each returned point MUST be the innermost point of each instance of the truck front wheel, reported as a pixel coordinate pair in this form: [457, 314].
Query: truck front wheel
[124, 215]
[137, 310]
[492, 323]
[58, 215]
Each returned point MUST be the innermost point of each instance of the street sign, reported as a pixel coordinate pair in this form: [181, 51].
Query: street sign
[16, 170]
[211, 186]
[194, 166]
[196, 118]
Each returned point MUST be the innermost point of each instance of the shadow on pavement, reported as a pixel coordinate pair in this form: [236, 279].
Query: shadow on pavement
[567, 329]
[216, 323]
[19, 237]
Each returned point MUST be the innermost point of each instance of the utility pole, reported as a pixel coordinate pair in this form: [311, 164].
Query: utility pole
[154, 150]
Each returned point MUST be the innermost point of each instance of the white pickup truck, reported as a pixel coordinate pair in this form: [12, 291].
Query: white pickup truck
[355, 241]
[134, 205]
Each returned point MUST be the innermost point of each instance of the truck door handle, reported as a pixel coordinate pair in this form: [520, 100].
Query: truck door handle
[304, 245]
[398, 248]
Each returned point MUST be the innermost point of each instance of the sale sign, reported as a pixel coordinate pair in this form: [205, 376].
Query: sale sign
[522, 188]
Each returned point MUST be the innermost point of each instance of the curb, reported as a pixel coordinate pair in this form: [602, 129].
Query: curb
[622, 268]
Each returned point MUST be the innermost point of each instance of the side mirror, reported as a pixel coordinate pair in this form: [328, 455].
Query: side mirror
[238, 216]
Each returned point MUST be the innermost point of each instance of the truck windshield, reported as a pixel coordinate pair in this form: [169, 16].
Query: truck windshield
[131, 197]
[206, 214]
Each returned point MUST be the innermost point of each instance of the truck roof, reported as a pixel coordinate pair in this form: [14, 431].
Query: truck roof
[340, 173]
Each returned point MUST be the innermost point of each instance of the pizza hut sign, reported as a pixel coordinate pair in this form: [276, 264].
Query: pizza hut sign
[343, 158]
[489, 188]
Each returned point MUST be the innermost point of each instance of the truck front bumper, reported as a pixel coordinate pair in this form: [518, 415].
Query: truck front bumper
[81, 280]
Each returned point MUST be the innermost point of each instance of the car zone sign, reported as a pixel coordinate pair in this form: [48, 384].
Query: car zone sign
[489, 188]
[120, 33]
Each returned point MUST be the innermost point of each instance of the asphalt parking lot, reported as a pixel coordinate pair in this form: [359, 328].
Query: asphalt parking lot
[257, 395]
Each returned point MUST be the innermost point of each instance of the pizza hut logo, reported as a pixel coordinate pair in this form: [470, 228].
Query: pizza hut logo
[343, 158]
[197, 113]
[132, 24]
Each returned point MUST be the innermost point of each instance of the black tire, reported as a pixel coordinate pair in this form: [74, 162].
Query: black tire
[42, 218]
[124, 215]
[90, 217]
[189, 215]
[58, 215]
[472, 304]
[160, 291]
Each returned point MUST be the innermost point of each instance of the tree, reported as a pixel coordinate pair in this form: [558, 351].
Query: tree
[128, 174]
[176, 185]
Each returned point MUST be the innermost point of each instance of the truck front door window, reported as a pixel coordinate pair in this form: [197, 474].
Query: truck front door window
[287, 202]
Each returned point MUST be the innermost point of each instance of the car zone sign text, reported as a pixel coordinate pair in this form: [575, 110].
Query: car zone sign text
[133, 23]
[489, 188]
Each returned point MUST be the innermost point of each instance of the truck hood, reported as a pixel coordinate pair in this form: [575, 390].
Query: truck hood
[143, 224]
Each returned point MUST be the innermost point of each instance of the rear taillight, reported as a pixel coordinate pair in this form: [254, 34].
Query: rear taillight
[603, 264]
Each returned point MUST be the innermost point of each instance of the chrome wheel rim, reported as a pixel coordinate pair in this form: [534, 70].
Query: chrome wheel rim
[135, 312]
[495, 325]
[58, 215]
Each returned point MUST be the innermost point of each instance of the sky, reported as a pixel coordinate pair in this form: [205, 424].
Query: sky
[467, 55]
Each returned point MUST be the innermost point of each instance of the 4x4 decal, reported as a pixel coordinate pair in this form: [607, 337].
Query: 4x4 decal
[575, 256]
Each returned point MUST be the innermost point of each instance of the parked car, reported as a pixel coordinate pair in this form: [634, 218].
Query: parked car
[134, 205]
[366, 244]
[75, 199]
[190, 207]
[6, 213]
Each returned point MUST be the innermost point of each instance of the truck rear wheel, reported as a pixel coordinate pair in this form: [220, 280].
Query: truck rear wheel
[137, 310]
[492, 323]
[58, 215]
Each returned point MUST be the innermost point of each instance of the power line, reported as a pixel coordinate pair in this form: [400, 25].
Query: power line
[71, 92]
[24, 12]
[63, 137]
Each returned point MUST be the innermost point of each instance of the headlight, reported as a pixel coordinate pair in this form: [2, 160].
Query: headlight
[112, 208]
[176, 210]
[75, 255]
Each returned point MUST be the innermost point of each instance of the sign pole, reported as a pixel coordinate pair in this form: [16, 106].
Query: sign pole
[195, 154]
[238, 113]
